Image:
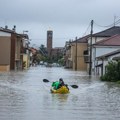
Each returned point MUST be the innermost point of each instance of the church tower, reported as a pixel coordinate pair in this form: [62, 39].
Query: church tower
[49, 42]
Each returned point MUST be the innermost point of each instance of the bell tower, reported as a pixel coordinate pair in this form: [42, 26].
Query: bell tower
[49, 42]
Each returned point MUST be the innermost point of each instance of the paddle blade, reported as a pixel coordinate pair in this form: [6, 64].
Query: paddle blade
[45, 80]
[74, 86]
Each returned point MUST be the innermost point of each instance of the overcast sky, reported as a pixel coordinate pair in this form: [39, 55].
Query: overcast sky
[67, 18]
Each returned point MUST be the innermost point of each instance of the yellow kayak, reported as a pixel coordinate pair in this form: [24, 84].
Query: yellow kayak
[62, 90]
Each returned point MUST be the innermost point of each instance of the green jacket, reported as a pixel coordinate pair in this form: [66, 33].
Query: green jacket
[55, 85]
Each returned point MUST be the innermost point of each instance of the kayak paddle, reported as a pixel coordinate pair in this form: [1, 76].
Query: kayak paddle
[73, 86]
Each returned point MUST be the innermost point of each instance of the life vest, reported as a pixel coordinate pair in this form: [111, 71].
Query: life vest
[55, 85]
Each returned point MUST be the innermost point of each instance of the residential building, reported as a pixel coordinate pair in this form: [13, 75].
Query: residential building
[10, 50]
[74, 57]
[25, 53]
[67, 55]
[103, 60]
[33, 54]
[98, 37]
[57, 52]
[103, 47]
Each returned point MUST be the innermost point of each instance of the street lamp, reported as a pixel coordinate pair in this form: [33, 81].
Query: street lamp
[24, 31]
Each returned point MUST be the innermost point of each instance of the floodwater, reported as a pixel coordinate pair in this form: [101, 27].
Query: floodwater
[24, 96]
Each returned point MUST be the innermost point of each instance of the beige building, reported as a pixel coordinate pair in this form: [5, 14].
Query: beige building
[11, 44]
[74, 56]
[5, 49]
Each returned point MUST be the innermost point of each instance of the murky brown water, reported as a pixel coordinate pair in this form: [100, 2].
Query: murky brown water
[24, 96]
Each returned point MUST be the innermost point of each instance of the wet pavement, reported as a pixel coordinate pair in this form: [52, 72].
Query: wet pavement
[24, 96]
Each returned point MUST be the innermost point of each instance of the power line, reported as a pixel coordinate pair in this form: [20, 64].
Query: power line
[104, 26]
[115, 23]
[87, 29]
[46, 38]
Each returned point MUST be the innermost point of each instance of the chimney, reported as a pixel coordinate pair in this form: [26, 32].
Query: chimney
[6, 27]
[14, 28]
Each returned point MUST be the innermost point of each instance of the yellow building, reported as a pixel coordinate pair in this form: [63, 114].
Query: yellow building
[74, 57]
[26, 61]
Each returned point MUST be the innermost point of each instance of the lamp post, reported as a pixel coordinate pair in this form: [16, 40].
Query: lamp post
[24, 31]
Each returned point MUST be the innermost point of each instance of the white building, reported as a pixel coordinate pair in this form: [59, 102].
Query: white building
[103, 43]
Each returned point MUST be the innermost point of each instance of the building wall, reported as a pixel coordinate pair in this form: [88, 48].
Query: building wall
[5, 49]
[10, 51]
[25, 59]
[104, 62]
[4, 68]
[81, 65]
[95, 39]
[4, 34]
[17, 49]
[68, 59]
[101, 50]
[95, 52]
[18, 60]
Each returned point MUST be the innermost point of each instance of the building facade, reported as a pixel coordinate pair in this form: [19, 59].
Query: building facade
[99, 50]
[11, 57]
[74, 55]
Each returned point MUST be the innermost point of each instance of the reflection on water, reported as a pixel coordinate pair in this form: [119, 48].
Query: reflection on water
[23, 95]
[61, 98]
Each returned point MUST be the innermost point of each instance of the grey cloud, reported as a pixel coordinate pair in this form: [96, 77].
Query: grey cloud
[66, 17]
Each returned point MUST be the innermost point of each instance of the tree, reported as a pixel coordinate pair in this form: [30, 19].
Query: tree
[42, 50]
[112, 72]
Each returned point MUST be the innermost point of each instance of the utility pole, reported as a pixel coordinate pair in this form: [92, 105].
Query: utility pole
[76, 53]
[90, 64]
[114, 19]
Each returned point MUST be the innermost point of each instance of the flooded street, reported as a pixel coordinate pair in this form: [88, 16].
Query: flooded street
[24, 96]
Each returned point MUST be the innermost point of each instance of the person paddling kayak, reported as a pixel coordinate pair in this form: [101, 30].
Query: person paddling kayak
[55, 85]
[58, 84]
[59, 87]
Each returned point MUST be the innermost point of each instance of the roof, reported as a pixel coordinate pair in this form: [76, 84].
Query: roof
[108, 32]
[109, 54]
[24, 36]
[111, 41]
[33, 50]
[82, 40]
[116, 58]
[58, 48]
[6, 30]
[13, 31]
